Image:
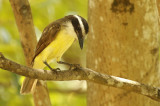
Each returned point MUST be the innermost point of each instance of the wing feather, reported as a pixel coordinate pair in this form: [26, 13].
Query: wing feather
[48, 35]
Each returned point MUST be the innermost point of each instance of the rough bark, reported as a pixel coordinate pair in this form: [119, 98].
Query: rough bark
[23, 17]
[123, 41]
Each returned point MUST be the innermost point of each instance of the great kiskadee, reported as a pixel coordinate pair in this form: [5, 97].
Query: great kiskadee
[56, 38]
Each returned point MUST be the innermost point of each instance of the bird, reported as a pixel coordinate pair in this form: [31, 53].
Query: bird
[56, 38]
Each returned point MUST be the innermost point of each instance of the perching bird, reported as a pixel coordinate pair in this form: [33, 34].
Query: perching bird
[56, 38]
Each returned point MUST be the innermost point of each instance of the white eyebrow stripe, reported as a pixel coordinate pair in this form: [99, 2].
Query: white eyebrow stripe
[81, 24]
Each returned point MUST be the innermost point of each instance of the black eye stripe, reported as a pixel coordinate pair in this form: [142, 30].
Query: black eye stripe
[76, 24]
[77, 27]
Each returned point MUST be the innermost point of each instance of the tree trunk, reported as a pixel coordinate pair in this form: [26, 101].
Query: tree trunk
[23, 17]
[123, 39]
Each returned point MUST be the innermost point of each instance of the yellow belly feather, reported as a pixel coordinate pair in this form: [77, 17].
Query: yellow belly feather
[54, 50]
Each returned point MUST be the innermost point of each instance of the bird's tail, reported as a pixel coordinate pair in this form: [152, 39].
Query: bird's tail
[28, 86]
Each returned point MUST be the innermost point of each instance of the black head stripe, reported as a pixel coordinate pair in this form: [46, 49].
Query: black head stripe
[79, 24]
[86, 27]
[76, 25]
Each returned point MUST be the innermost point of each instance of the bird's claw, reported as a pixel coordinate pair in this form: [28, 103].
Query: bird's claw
[71, 66]
[74, 66]
[57, 69]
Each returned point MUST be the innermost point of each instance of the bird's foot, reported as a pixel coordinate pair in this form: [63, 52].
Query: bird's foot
[71, 66]
[57, 69]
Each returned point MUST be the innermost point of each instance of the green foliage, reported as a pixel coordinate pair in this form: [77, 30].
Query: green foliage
[43, 12]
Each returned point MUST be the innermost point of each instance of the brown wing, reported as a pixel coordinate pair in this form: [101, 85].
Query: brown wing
[47, 37]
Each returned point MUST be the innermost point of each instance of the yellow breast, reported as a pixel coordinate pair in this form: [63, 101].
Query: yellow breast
[55, 49]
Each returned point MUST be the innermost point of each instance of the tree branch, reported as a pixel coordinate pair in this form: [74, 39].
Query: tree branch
[81, 74]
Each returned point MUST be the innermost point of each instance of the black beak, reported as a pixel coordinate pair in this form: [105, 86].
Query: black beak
[80, 39]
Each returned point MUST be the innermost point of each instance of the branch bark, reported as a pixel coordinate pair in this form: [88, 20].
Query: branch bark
[24, 21]
[81, 74]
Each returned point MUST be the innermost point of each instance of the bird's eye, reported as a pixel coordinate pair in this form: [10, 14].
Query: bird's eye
[79, 27]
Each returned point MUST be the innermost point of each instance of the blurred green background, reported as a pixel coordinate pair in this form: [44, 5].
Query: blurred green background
[71, 93]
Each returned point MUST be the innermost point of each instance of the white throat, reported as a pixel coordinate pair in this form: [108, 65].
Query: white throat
[69, 29]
